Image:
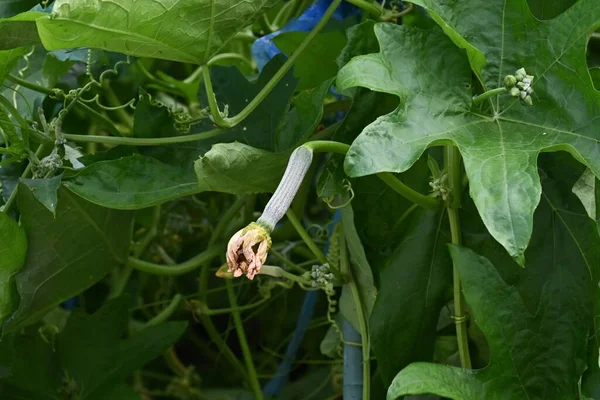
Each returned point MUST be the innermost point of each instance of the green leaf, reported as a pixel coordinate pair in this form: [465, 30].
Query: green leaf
[67, 253]
[542, 9]
[240, 169]
[8, 59]
[323, 51]
[361, 40]
[131, 183]
[94, 356]
[45, 191]
[19, 30]
[13, 247]
[35, 371]
[136, 182]
[90, 356]
[413, 289]
[9, 8]
[500, 140]
[120, 391]
[188, 30]
[536, 320]
[14, 144]
[523, 344]
[585, 189]
[152, 119]
[304, 116]
[361, 270]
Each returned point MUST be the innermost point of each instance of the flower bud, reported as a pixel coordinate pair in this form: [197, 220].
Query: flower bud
[514, 92]
[527, 100]
[520, 74]
[510, 81]
[247, 250]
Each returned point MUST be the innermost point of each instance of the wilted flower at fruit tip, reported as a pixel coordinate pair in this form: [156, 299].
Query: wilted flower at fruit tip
[247, 250]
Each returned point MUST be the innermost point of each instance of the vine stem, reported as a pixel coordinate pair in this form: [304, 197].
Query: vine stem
[239, 327]
[230, 56]
[486, 95]
[368, 7]
[394, 183]
[127, 141]
[361, 314]
[166, 313]
[305, 236]
[225, 122]
[453, 164]
[179, 269]
[278, 272]
[84, 107]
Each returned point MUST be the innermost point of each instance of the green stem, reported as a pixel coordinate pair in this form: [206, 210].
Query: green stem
[178, 269]
[286, 261]
[229, 310]
[230, 56]
[452, 161]
[129, 141]
[361, 314]
[166, 312]
[399, 187]
[233, 121]
[368, 7]
[396, 184]
[327, 146]
[278, 272]
[306, 237]
[239, 327]
[490, 93]
[84, 107]
[284, 13]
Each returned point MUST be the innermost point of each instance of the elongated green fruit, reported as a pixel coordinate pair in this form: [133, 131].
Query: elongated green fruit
[295, 171]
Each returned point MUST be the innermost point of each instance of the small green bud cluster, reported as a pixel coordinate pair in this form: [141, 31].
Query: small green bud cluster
[519, 85]
[47, 166]
[321, 276]
[439, 187]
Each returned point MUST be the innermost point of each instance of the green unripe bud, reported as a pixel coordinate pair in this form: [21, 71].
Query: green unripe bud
[510, 81]
[514, 92]
[520, 74]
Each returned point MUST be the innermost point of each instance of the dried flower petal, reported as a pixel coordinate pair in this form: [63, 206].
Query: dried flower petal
[247, 250]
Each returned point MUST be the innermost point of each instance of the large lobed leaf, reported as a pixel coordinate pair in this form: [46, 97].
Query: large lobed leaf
[536, 320]
[180, 30]
[500, 141]
[66, 253]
